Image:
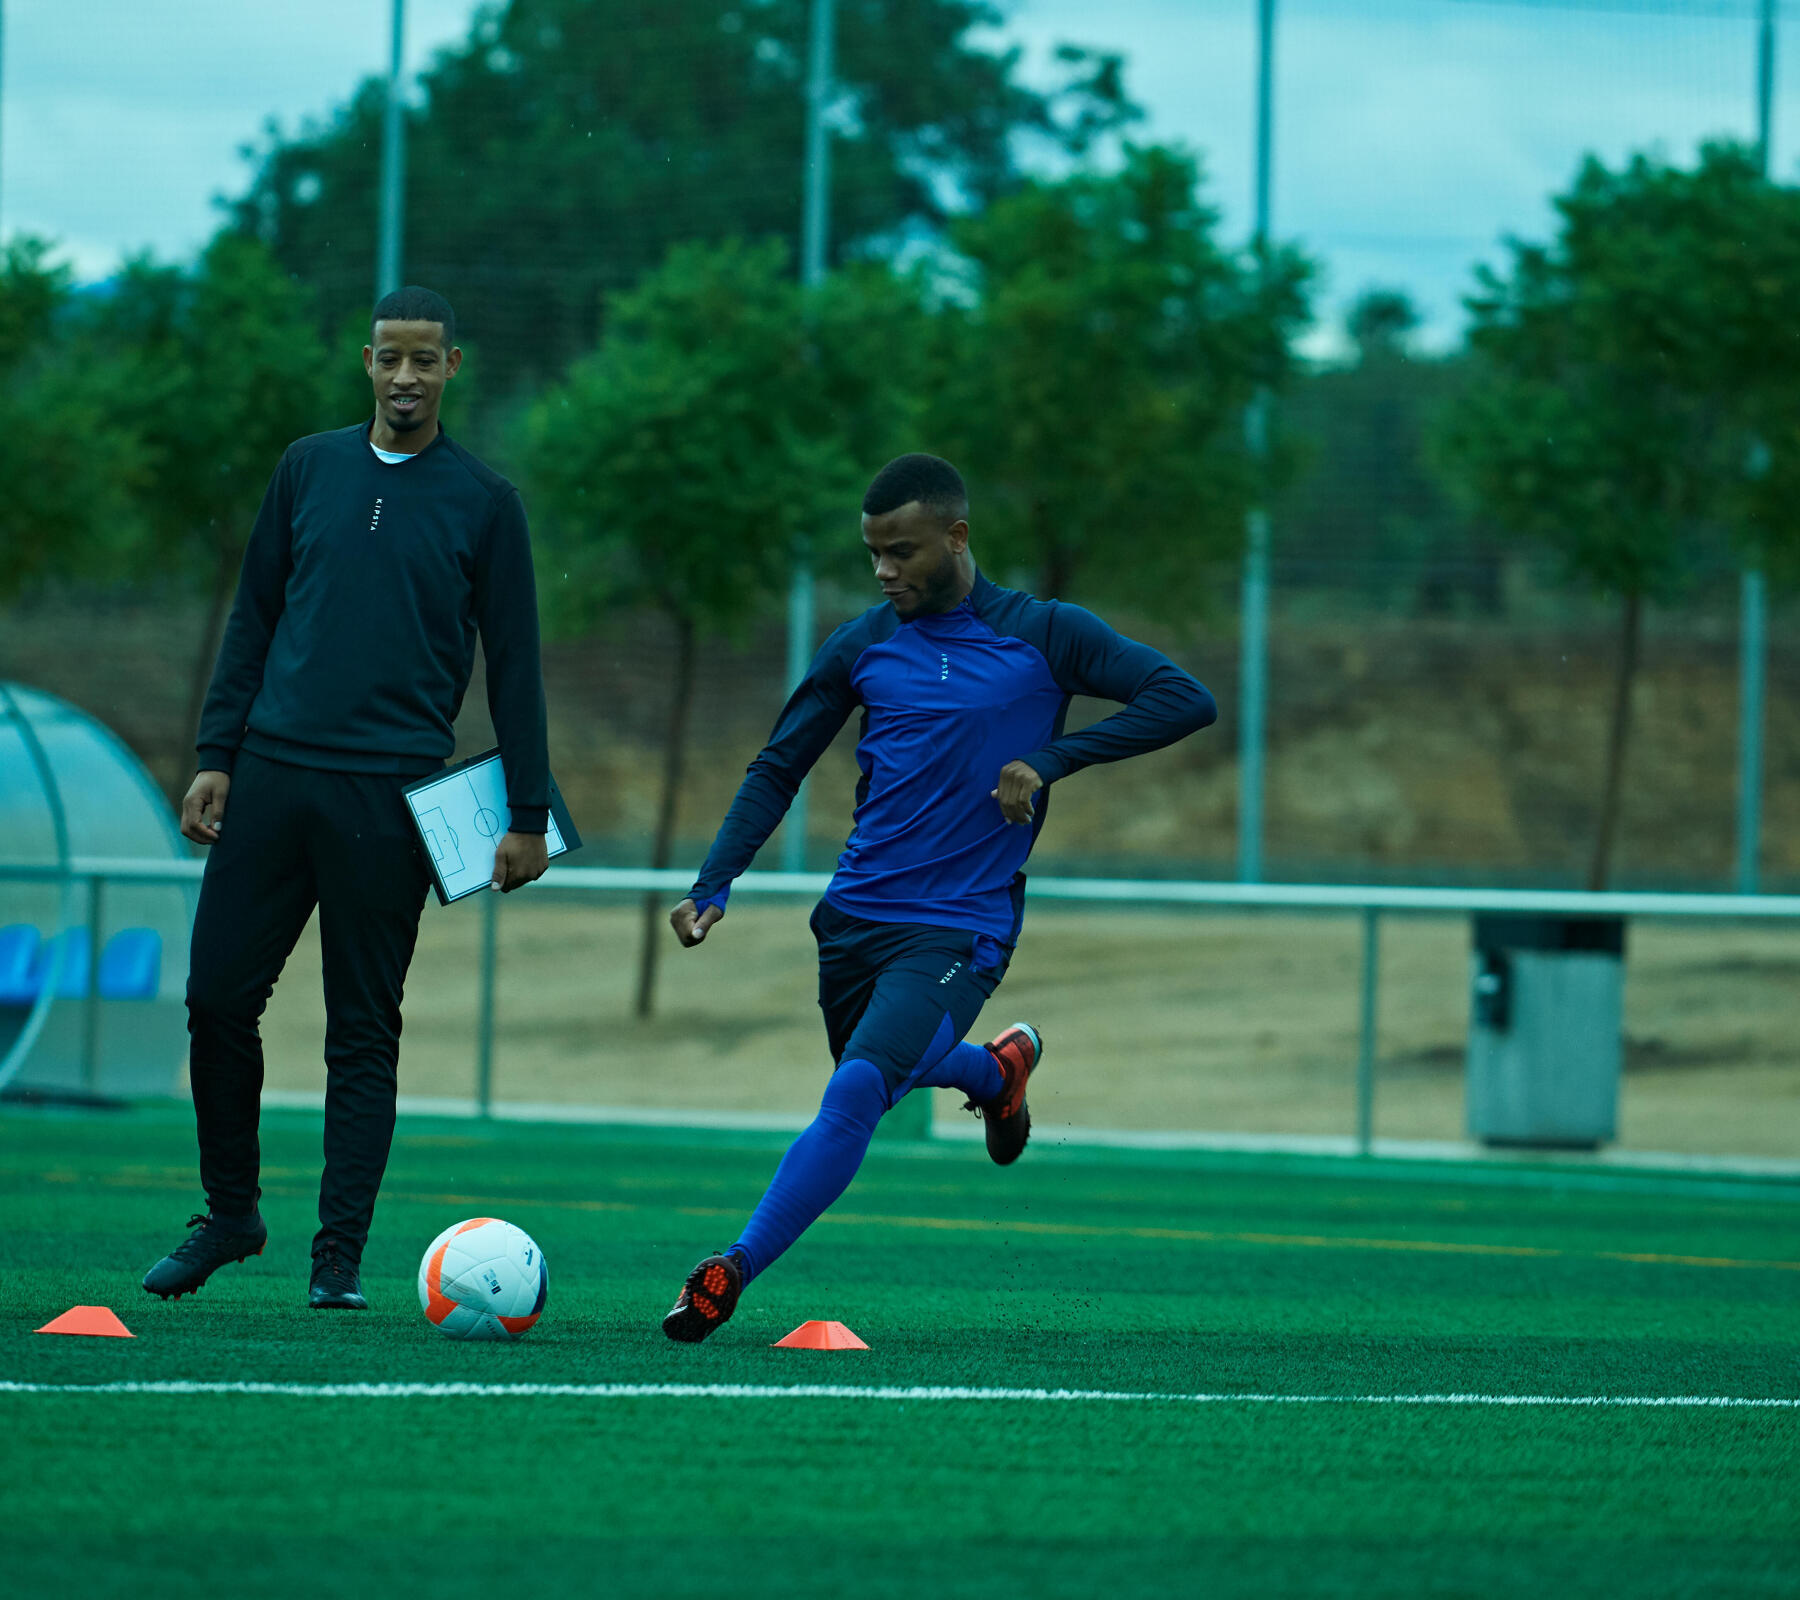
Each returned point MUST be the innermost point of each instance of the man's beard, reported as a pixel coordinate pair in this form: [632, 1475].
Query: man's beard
[936, 591]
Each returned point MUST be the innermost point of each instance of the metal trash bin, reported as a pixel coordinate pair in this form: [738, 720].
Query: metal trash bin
[1545, 1030]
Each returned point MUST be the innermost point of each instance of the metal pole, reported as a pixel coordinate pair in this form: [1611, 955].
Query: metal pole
[2, 107]
[1365, 1061]
[1765, 81]
[90, 1005]
[800, 629]
[1253, 680]
[484, 1025]
[814, 231]
[1253, 642]
[1265, 121]
[817, 219]
[393, 166]
[1753, 623]
[1753, 602]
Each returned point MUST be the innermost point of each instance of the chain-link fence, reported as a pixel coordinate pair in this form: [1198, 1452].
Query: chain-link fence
[1439, 688]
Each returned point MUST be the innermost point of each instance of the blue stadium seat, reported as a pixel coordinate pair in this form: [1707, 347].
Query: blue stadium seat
[19, 944]
[72, 982]
[131, 965]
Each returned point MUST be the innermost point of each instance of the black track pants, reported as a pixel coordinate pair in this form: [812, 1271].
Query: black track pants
[295, 838]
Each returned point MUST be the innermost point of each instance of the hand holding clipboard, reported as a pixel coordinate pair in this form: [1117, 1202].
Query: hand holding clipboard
[462, 815]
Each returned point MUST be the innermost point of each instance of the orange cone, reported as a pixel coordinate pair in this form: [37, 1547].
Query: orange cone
[820, 1336]
[96, 1322]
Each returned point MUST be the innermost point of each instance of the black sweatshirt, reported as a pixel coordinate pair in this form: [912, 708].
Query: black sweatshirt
[351, 641]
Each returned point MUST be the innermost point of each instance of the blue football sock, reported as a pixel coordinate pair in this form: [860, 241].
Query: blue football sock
[818, 1166]
[969, 1067]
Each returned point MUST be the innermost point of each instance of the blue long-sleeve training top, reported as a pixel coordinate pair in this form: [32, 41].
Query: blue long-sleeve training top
[352, 637]
[947, 701]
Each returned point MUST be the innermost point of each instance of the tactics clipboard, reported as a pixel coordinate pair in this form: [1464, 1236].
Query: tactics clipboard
[461, 815]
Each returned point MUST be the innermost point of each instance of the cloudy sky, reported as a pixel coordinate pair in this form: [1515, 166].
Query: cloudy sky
[1410, 135]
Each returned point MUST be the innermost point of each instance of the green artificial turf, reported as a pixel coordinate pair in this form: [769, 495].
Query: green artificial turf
[1072, 1270]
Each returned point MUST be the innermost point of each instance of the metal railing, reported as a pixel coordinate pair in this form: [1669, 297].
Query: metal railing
[1370, 903]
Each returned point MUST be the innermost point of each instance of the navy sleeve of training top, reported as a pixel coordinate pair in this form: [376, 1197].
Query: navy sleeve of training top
[261, 597]
[808, 723]
[506, 612]
[1160, 702]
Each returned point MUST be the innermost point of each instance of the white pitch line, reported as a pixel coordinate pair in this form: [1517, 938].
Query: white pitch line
[833, 1391]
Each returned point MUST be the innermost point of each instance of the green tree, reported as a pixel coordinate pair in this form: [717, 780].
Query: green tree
[1366, 495]
[60, 516]
[214, 370]
[1094, 377]
[1378, 324]
[560, 151]
[1632, 376]
[720, 418]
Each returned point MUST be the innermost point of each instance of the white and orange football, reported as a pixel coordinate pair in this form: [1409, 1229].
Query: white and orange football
[483, 1279]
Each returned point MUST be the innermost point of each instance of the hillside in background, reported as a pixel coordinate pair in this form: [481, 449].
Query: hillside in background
[1401, 749]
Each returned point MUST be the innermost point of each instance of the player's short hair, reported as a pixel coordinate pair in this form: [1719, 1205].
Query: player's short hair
[930, 480]
[413, 304]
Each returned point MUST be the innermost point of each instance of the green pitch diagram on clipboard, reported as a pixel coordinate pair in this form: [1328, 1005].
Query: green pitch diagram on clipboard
[461, 814]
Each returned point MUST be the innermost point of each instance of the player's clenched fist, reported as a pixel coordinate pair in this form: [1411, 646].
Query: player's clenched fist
[690, 923]
[1018, 783]
[203, 807]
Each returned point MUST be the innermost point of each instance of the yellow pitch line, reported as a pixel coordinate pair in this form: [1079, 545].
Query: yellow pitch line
[473, 1200]
[1311, 1241]
[1318, 1241]
[1076, 1230]
[1692, 1261]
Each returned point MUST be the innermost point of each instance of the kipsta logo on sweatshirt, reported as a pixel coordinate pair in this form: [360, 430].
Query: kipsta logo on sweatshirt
[375, 515]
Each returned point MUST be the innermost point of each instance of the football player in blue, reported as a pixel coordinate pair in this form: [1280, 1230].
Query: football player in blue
[963, 687]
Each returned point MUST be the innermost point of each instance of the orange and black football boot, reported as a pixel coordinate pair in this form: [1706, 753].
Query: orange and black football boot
[1019, 1050]
[706, 1300]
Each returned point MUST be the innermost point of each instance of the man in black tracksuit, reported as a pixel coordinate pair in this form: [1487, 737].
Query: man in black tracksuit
[380, 552]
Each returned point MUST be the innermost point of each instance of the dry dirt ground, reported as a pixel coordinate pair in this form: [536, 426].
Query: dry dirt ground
[1419, 751]
[1156, 1020]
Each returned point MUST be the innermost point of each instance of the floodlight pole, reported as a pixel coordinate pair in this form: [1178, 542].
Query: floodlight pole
[393, 165]
[2, 106]
[1765, 82]
[1753, 601]
[815, 222]
[1253, 641]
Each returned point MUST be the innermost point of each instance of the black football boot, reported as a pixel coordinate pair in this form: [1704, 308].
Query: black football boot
[335, 1283]
[215, 1242]
[706, 1300]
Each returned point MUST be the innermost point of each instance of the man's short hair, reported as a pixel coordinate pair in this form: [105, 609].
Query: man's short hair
[930, 480]
[413, 304]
